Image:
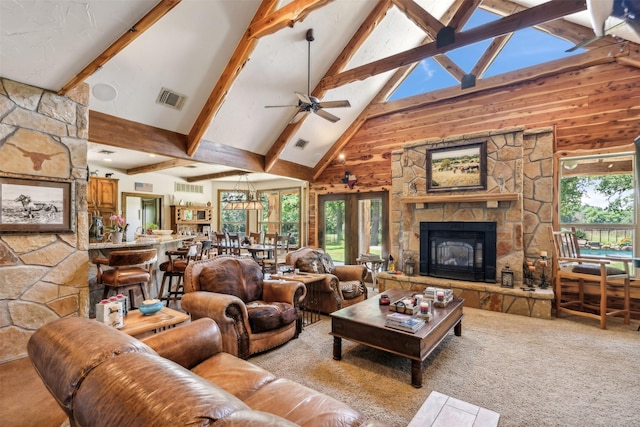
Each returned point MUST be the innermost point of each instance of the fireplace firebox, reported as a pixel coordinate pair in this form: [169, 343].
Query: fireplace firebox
[458, 250]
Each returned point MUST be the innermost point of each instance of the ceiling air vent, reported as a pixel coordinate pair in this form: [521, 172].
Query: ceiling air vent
[301, 143]
[171, 99]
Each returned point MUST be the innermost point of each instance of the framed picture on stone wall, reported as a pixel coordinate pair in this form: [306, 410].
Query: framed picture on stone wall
[35, 206]
[463, 167]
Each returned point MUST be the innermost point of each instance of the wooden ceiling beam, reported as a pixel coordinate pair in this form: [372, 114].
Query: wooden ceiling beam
[423, 19]
[460, 12]
[360, 36]
[161, 9]
[286, 16]
[210, 176]
[116, 132]
[449, 66]
[160, 166]
[527, 18]
[490, 54]
[231, 71]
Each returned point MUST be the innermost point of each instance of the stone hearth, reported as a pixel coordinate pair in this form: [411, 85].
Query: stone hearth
[478, 295]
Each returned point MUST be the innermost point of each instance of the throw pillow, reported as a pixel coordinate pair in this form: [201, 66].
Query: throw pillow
[595, 270]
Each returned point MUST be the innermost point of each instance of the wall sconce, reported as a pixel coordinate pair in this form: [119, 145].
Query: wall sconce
[349, 180]
[341, 159]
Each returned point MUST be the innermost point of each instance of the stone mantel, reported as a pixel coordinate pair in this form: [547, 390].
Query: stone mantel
[463, 198]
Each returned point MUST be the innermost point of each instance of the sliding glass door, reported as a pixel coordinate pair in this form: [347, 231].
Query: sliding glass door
[353, 224]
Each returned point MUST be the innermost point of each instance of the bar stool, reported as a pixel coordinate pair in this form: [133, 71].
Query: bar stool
[221, 243]
[129, 269]
[175, 267]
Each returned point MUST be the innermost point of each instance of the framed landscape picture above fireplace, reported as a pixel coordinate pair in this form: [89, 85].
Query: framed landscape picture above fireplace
[463, 167]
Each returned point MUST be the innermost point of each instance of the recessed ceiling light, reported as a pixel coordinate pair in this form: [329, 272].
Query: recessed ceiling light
[107, 159]
[104, 92]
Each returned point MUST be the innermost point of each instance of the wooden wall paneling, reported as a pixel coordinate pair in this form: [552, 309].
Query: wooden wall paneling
[586, 108]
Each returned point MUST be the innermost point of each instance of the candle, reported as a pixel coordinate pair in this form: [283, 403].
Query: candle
[529, 263]
[532, 268]
[543, 253]
[543, 263]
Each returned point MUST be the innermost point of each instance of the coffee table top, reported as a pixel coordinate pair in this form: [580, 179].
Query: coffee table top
[136, 323]
[369, 312]
[305, 278]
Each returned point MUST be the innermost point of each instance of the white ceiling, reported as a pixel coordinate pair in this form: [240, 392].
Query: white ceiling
[45, 43]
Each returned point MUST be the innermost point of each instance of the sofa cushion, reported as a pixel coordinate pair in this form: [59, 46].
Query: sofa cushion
[233, 276]
[595, 269]
[351, 289]
[267, 316]
[302, 405]
[315, 260]
[236, 376]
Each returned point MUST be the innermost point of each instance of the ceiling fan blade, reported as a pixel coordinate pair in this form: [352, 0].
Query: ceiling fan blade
[279, 106]
[299, 115]
[334, 104]
[326, 115]
[304, 98]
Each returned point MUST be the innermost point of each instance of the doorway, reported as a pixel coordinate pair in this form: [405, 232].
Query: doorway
[353, 224]
[141, 210]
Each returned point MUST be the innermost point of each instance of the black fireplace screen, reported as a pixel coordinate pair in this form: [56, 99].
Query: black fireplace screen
[458, 250]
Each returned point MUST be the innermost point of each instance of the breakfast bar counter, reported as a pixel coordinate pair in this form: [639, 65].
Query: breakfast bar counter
[102, 249]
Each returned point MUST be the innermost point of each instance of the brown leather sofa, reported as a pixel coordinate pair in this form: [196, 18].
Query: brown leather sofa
[253, 314]
[103, 377]
[344, 284]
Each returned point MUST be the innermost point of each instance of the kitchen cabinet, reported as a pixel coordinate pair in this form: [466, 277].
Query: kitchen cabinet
[102, 198]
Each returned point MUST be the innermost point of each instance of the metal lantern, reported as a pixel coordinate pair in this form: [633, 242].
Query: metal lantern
[409, 267]
[507, 278]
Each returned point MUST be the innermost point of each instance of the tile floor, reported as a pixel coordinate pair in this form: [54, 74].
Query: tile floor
[440, 410]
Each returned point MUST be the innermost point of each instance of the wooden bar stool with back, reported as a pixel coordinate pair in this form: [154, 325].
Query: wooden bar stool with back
[129, 269]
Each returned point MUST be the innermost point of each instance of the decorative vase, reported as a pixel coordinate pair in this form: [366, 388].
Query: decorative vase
[116, 237]
[96, 231]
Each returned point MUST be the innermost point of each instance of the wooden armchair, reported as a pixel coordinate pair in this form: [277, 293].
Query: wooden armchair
[253, 314]
[585, 285]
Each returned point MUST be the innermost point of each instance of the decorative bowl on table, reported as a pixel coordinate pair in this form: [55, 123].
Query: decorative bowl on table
[150, 306]
[162, 232]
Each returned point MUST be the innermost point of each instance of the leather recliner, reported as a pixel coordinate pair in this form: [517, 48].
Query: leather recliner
[253, 314]
[344, 284]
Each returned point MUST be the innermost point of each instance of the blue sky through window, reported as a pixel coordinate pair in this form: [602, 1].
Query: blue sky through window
[525, 48]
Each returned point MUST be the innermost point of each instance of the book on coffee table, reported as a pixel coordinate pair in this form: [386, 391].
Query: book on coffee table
[404, 322]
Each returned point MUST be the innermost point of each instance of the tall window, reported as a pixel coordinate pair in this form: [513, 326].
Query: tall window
[231, 219]
[597, 197]
[281, 213]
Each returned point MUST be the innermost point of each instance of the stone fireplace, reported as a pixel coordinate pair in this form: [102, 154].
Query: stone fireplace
[458, 250]
[517, 200]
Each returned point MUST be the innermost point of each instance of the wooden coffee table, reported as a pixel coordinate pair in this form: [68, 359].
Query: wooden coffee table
[136, 323]
[364, 323]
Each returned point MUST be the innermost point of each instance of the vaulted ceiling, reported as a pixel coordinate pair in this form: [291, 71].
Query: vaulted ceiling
[229, 59]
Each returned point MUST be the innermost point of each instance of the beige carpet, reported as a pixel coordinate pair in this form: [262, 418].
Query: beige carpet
[532, 372]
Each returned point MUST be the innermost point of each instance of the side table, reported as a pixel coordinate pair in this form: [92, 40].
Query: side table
[310, 310]
[136, 323]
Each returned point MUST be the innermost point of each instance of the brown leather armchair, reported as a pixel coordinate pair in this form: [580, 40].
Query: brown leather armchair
[344, 284]
[253, 315]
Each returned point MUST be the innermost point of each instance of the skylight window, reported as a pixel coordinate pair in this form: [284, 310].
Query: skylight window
[525, 48]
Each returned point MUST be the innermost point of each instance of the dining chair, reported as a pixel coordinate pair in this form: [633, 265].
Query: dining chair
[280, 245]
[222, 244]
[233, 239]
[255, 238]
[588, 286]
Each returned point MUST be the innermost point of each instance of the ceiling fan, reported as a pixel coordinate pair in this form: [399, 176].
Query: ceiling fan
[600, 10]
[310, 104]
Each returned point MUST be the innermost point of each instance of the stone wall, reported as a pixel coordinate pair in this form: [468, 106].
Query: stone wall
[518, 161]
[43, 276]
